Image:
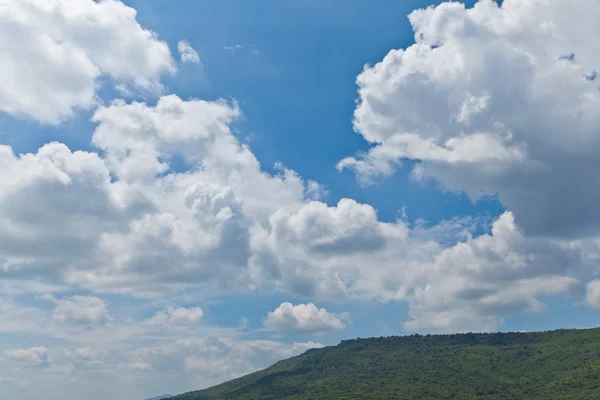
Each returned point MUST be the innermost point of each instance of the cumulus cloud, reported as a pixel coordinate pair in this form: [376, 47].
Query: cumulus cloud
[187, 53]
[469, 285]
[174, 315]
[149, 229]
[303, 318]
[55, 53]
[593, 294]
[472, 285]
[128, 221]
[37, 356]
[132, 224]
[493, 100]
[80, 310]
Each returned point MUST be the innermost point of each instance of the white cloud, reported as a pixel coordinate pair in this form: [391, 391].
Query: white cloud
[471, 286]
[33, 356]
[187, 53]
[17, 318]
[593, 293]
[174, 315]
[487, 103]
[55, 52]
[135, 366]
[147, 229]
[85, 353]
[252, 48]
[303, 318]
[485, 278]
[80, 310]
[130, 224]
[19, 287]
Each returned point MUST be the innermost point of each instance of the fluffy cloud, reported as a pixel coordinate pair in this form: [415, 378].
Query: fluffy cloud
[80, 310]
[174, 315]
[474, 284]
[154, 228]
[34, 356]
[593, 294]
[187, 53]
[131, 223]
[128, 220]
[55, 52]
[303, 318]
[466, 286]
[494, 100]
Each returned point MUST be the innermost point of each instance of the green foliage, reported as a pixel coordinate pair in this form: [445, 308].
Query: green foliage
[562, 364]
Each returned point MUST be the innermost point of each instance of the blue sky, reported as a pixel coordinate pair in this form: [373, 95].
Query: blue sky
[315, 174]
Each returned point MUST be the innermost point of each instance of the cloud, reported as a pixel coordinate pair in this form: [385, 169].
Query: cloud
[85, 353]
[210, 359]
[130, 223]
[80, 310]
[593, 294]
[135, 366]
[147, 228]
[37, 356]
[19, 287]
[174, 315]
[485, 111]
[303, 318]
[58, 51]
[472, 285]
[187, 53]
[486, 277]
[251, 48]
[122, 218]
[17, 318]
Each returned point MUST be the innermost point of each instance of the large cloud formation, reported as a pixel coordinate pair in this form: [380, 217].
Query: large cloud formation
[494, 100]
[131, 222]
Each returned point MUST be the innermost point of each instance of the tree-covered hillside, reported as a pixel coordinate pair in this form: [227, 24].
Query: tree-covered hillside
[562, 364]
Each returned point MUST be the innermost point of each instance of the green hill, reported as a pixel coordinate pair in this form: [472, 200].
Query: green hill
[562, 364]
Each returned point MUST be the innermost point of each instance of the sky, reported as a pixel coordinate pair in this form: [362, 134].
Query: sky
[194, 190]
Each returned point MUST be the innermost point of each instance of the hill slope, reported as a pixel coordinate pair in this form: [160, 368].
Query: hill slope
[562, 364]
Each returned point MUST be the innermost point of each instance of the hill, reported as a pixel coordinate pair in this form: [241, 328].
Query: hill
[562, 364]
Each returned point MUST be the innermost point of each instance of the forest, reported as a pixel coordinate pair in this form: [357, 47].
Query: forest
[562, 364]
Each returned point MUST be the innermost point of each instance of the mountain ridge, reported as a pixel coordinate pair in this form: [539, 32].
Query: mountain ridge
[557, 364]
[161, 397]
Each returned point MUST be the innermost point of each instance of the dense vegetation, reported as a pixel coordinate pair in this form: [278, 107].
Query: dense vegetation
[561, 364]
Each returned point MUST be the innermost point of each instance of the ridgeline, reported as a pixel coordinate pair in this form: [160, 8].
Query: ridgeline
[563, 364]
